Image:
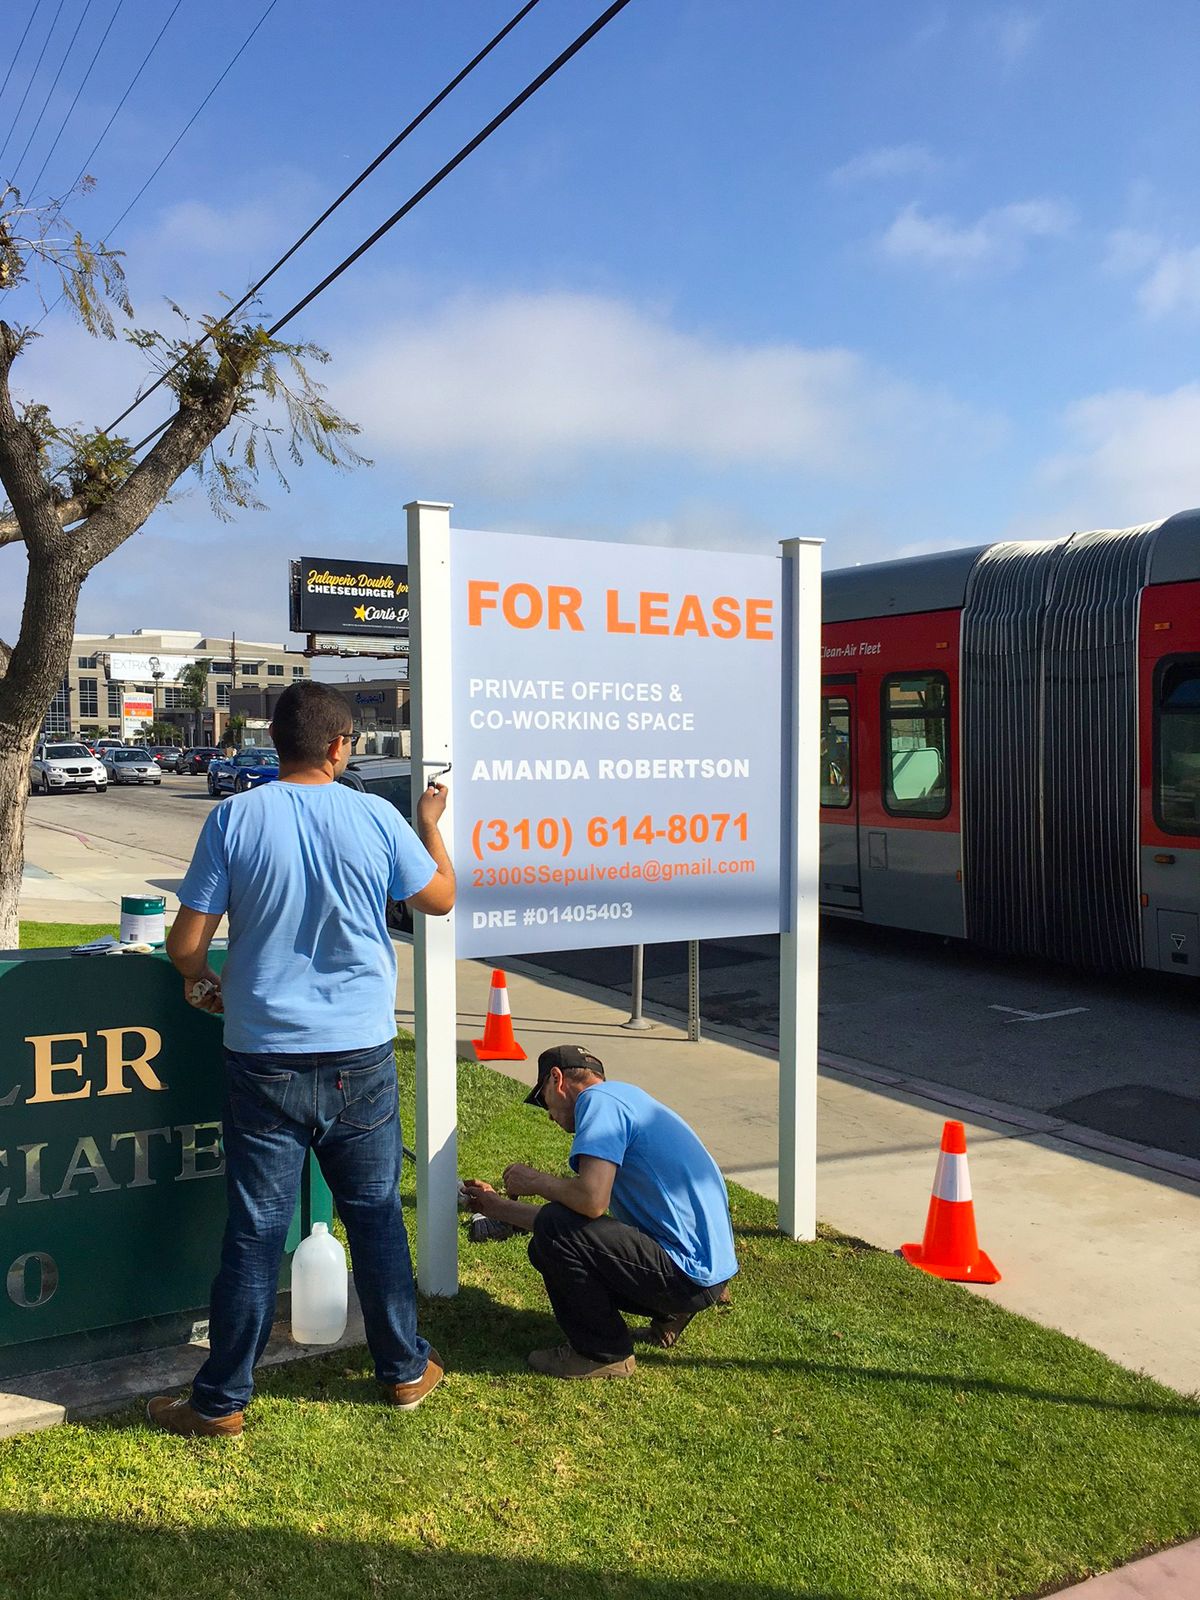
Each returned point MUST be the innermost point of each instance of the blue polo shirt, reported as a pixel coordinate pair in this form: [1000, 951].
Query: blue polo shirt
[305, 871]
[667, 1185]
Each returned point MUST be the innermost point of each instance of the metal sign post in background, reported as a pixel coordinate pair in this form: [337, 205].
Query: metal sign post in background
[637, 1022]
[435, 1004]
[798, 944]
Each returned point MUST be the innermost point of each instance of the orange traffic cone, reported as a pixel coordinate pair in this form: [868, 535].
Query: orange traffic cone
[498, 1042]
[950, 1248]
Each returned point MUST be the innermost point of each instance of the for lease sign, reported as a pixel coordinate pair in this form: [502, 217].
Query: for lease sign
[618, 743]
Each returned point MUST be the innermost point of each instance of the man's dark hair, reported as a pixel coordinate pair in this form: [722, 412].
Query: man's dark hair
[308, 718]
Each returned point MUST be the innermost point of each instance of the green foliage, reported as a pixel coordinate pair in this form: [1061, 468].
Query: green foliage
[278, 402]
[280, 414]
[235, 729]
[193, 680]
[35, 241]
[160, 733]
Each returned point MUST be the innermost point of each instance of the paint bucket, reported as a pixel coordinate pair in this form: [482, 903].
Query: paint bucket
[143, 919]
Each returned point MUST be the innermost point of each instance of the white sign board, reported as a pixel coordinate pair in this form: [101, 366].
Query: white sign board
[512, 636]
[619, 745]
[135, 710]
[124, 668]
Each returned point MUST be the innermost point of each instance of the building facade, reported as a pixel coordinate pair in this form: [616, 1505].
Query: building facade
[380, 707]
[118, 681]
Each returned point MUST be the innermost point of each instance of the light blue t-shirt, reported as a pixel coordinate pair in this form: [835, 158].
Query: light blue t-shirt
[667, 1184]
[304, 871]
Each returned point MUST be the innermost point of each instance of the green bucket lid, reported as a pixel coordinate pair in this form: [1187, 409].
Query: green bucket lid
[134, 905]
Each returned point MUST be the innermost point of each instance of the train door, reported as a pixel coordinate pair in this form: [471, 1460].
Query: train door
[840, 886]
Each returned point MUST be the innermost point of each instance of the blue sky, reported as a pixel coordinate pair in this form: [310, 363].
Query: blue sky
[904, 277]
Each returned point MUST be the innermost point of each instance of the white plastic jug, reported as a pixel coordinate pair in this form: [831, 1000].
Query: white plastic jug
[320, 1287]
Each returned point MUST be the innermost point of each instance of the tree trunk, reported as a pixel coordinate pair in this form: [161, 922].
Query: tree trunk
[26, 689]
[14, 795]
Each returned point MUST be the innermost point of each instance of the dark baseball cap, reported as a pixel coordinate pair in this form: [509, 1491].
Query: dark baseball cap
[564, 1057]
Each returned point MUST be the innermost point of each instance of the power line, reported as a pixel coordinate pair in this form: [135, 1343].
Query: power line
[117, 111]
[330, 209]
[83, 85]
[497, 121]
[16, 54]
[32, 76]
[49, 92]
[166, 157]
[485, 133]
[179, 137]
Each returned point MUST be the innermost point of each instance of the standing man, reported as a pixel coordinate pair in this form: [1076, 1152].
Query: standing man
[666, 1251]
[304, 868]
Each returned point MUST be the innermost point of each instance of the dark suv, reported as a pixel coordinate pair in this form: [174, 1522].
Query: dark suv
[196, 759]
[391, 779]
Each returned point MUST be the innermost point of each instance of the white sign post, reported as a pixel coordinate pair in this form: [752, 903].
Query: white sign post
[435, 1003]
[635, 735]
[798, 944]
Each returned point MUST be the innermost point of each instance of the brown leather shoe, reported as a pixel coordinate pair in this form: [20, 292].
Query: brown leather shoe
[563, 1362]
[179, 1416]
[408, 1396]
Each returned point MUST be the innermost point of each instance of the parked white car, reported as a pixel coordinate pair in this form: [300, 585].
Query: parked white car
[131, 766]
[58, 767]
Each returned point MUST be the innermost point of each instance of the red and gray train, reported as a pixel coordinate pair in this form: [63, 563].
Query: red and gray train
[1011, 746]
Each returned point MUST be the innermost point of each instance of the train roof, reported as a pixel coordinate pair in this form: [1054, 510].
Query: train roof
[1176, 556]
[886, 588]
[939, 582]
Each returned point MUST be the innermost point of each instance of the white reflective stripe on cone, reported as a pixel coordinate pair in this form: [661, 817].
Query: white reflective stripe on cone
[498, 1005]
[951, 1181]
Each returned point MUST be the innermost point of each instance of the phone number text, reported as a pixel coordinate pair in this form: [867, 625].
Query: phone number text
[497, 835]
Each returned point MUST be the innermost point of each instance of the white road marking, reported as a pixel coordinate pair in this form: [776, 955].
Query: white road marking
[1038, 1016]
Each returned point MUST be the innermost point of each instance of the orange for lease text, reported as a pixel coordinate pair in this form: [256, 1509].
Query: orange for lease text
[527, 605]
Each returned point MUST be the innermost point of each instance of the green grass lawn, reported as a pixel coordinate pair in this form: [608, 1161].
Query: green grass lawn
[850, 1430]
[44, 935]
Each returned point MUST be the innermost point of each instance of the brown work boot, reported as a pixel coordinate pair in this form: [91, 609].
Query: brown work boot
[563, 1362]
[181, 1417]
[408, 1396]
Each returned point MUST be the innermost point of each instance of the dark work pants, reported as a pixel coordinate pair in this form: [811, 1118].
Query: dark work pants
[596, 1268]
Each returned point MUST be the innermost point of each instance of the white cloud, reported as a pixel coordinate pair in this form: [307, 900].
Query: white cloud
[995, 241]
[1130, 457]
[1131, 250]
[1011, 33]
[1169, 274]
[1173, 285]
[888, 161]
[542, 383]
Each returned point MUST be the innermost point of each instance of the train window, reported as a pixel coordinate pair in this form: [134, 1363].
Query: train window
[916, 749]
[1178, 793]
[835, 752]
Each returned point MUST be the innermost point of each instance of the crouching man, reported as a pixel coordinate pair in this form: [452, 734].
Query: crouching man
[663, 1250]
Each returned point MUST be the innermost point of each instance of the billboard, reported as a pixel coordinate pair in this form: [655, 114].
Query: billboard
[360, 599]
[124, 668]
[619, 743]
[135, 709]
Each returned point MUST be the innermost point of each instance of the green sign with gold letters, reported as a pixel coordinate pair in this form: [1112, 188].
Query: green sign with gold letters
[112, 1194]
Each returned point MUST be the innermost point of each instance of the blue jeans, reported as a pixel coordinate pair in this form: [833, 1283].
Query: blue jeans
[344, 1107]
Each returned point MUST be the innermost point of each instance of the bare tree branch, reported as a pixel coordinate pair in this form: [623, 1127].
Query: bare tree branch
[67, 512]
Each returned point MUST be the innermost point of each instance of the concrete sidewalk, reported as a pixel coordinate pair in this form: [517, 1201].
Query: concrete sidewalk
[75, 877]
[1169, 1575]
[1090, 1237]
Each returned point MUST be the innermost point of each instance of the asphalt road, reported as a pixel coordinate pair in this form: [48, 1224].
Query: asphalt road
[165, 819]
[1118, 1054]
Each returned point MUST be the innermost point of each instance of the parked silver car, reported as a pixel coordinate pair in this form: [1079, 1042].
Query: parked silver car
[56, 768]
[131, 766]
